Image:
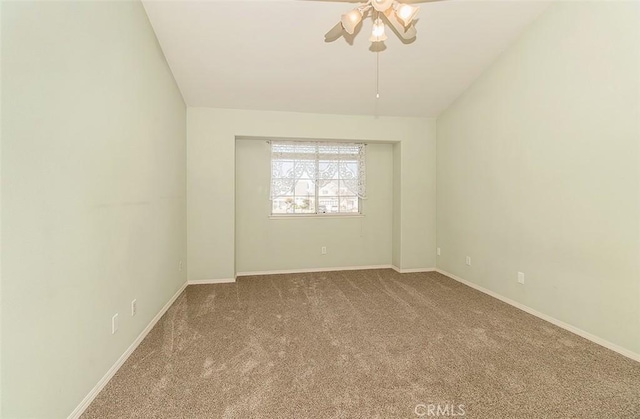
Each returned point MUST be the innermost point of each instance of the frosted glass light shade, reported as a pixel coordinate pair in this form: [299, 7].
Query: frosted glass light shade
[406, 13]
[381, 5]
[350, 20]
[377, 33]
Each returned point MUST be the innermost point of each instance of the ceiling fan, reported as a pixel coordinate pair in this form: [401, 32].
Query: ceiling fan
[399, 16]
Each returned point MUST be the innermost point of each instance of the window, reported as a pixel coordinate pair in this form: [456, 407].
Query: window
[313, 178]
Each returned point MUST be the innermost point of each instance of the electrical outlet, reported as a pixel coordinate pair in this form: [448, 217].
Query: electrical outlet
[114, 323]
[323, 250]
[180, 266]
[468, 260]
[134, 307]
[521, 278]
[438, 251]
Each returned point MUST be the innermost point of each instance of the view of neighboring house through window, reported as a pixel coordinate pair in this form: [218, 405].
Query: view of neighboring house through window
[317, 177]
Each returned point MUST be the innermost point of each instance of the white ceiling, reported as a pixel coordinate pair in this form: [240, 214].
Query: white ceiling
[271, 55]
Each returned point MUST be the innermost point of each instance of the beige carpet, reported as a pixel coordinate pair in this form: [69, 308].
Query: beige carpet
[363, 344]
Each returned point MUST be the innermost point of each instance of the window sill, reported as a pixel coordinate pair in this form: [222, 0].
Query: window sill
[313, 216]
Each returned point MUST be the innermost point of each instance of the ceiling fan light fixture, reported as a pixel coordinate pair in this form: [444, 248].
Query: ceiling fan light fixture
[406, 13]
[377, 33]
[381, 5]
[350, 20]
[399, 16]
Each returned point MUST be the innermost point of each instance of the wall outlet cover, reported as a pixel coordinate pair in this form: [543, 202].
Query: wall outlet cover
[114, 323]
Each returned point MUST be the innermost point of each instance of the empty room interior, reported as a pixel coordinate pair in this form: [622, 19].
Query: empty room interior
[320, 209]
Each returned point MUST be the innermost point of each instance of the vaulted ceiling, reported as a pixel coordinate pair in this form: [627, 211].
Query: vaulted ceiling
[271, 55]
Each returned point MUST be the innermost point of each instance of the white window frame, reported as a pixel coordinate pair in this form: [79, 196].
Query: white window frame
[360, 180]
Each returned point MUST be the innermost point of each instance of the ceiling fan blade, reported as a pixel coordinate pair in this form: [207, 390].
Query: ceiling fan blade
[364, 1]
[406, 34]
[334, 33]
[337, 1]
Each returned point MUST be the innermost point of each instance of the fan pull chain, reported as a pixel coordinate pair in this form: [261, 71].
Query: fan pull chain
[377, 74]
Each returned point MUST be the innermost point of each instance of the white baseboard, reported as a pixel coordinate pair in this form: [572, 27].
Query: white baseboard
[412, 270]
[211, 281]
[552, 320]
[115, 367]
[300, 271]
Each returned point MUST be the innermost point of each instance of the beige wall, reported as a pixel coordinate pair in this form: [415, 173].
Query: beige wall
[0, 211]
[538, 171]
[93, 195]
[211, 139]
[269, 244]
[396, 255]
